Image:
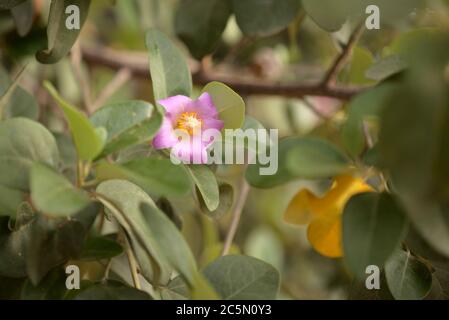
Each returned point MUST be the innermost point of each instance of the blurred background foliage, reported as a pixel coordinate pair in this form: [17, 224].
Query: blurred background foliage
[281, 46]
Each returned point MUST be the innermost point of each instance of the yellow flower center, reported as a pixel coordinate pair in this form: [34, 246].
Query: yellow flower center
[189, 121]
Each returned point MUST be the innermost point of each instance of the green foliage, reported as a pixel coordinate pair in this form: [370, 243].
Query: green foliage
[230, 106]
[259, 18]
[123, 199]
[53, 194]
[60, 38]
[316, 158]
[87, 187]
[373, 226]
[200, 23]
[407, 277]
[207, 185]
[156, 176]
[127, 123]
[88, 140]
[169, 70]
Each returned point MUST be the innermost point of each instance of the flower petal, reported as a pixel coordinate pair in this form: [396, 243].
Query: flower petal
[324, 234]
[166, 137]
[189, 151]
[209, 123]
[299, 211]
[175, 105]
[204, 107]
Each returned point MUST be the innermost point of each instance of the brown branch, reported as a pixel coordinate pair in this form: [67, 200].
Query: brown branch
[137, 63]
[342, 58]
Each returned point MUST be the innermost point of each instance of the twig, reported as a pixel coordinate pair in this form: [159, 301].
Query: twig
[340, 61]
[75, 58]
[236, 217]
[137, 63]
[119, 80]
[132, 262]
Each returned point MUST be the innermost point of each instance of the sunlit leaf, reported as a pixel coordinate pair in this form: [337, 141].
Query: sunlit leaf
[230, 106]
[88, 140]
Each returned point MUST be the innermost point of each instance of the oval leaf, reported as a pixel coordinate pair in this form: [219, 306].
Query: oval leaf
[242, 278]
[53, 194]
[127, 123]
[88, 140]
[156, 176]
[407, 278]
[262, 18]
[207, 185]
[230, 106]
[200, 23]
[61, 38]
[170, 73]
[313, 159]
[122, 199]
[22, 142]
[373, 227]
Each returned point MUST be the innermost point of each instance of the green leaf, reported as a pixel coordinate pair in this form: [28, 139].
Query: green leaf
[8, 4]
[61, 38]
[170, 242]
[170, 73]
[154, 175]
[10, 199]
[88, 140]
[283, 175]
[386, 68]
[122, 199]
[373, 227]
[262, 18]
[21, 104]
[226, 201]
[230, 106]
[23, 16]
[52, 287]
[112, 290]
[15, 101]
[361, 61]
[407, 277]
[51, 242]
[127, 123]
[314, 159]
[98, 248]
[364, 107]
[22, 142]
[207, 185]
[242, 278]
[200, 23]
[53, 194]
[330, 14]
[12, 262]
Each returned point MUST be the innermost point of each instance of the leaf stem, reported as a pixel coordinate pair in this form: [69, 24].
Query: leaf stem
[244, 190]
[131, 260]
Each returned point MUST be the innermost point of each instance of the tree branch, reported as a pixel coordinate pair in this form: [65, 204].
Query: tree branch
[343, 57]
[137, 63]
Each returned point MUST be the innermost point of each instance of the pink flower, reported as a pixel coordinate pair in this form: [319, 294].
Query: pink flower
[183, 126]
